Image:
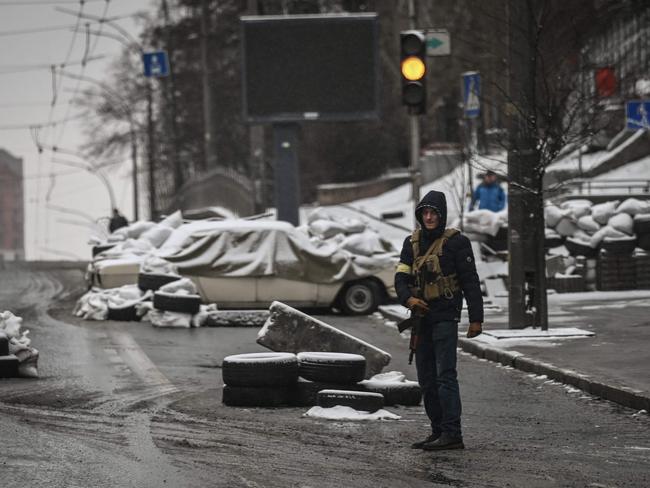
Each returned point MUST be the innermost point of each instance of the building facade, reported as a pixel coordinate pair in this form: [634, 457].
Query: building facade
[12, 213]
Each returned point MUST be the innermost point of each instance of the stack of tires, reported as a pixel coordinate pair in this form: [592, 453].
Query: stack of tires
[642, 268]
[642, 230]
[259, 379]
[168, 302]
[615, 271]
[324, 379]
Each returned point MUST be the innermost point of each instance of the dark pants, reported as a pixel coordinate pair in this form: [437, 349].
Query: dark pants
[435, 360]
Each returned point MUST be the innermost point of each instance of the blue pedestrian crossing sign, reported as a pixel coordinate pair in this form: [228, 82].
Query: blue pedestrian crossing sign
[155, 64]
[472, 93]
[637, 114]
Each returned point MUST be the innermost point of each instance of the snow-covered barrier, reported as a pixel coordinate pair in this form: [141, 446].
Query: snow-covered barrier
[17, 357]
[289, 330]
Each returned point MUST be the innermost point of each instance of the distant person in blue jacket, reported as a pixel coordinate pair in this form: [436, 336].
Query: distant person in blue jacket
[489, 194]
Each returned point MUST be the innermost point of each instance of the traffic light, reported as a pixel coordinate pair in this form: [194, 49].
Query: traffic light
[414, 69]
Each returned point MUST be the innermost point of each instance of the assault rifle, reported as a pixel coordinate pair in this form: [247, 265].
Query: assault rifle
[414, 322]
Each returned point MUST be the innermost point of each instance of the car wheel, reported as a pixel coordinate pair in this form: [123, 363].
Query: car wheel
[266, 369]
[360, 298]
[359, 400]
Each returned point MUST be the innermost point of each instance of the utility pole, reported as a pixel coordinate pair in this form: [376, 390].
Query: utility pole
[414, 124]
[527, 266]
[208, 125]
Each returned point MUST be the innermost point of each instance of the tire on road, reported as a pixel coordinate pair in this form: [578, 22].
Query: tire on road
[123, 314]
[359, 400]
[408, 394]
[260, 369]
[331, 367]
[619, 247]
[305, 393]
[260, 396]
[360, 298]
[153, 281]
[177, 303]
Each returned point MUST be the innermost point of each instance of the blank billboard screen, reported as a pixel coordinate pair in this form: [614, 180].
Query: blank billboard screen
[312, 67]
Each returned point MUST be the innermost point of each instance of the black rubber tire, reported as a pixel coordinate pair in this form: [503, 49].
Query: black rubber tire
[333, 368]
[644, 242]
[551, 242]
[264, 396]
[9, 366]
[123, 314]
[305, 393]
[260, 369]
[360, 298]
[153, 281]
[642, 227]
[101, 248]
[619, 248]
[407, 394]
[577, 249]
[359, 400]
[177, 303]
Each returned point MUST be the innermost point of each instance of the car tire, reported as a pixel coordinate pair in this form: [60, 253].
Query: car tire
[408, 394]
[153, 281]
[123, 314]
[360, 298]
[260, 369]
[260, 396]
[305, 393]
[359, 400]
[177, 303]
[333, 368]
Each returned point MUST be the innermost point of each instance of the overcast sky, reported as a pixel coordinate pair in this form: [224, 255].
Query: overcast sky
[26, 93]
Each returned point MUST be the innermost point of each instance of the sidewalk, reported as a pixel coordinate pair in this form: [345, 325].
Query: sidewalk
[611, 359]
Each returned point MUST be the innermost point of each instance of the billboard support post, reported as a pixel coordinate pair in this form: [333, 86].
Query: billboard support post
[287, 179]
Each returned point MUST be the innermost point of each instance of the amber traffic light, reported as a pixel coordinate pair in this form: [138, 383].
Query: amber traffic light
[413, 70]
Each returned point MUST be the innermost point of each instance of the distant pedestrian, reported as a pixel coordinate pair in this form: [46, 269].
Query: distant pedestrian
[117, 221]
[435, 271]
[489, 194]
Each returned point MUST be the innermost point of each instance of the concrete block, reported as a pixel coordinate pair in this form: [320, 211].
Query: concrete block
[491, 354]
[289, 330]
[526, 364]
[4, 344]
[8, 366]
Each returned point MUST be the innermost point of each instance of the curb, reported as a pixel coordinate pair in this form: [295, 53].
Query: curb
[618, 394]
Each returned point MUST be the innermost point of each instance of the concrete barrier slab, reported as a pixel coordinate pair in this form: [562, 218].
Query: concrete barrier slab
[289, 330]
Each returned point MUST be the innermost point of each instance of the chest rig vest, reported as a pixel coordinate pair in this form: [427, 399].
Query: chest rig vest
[427, 271]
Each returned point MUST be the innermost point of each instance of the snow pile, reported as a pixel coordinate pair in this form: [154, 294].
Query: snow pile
[389, 378]
[485, 221]
[94, 304]
[157, 265]
[348, 413]
[20, 344]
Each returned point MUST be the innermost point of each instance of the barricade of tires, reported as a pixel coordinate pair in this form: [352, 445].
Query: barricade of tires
[308, 379]
[642, 267]
[615, 271]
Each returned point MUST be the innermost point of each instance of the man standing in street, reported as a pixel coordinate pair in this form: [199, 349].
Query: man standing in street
[436, 270]
[489, 194]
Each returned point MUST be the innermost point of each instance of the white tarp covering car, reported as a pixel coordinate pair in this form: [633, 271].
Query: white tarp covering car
[249, 264]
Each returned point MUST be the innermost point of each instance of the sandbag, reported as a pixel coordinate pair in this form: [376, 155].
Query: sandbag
[606, 231]
[604, 211]
[157, 235]
[633, 206]
[566, 227]
[553, 215]
[577, 208]
[588, 224]
[622, 222]
[174, 220]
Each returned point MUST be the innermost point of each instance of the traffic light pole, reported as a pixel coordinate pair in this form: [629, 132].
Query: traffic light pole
[415, 158]
[287, 180]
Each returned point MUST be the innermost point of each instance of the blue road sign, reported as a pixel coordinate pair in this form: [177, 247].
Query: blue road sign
[637, 114]
[472, 93]
[155, 64]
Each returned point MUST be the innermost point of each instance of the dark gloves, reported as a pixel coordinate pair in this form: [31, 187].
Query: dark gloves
[417, 306]
[474, 329]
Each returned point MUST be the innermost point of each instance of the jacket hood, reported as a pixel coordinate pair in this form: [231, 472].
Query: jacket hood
[437, 201]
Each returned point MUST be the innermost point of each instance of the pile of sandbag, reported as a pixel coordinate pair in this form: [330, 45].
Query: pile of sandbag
[18, 358]
[586, 226]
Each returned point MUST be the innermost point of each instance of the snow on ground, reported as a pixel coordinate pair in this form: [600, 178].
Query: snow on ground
[637, 170]
[346, 413]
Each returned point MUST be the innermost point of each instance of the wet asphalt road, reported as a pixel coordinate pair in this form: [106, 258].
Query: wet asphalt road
[128, 405]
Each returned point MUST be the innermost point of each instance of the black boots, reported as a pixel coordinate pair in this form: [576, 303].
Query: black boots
[443, 442]
[420, 444]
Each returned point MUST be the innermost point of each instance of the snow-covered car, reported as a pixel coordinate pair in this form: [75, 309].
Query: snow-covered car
[250, 264]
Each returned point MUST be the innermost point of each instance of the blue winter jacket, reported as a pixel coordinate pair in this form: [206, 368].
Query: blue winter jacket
[490, 197]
